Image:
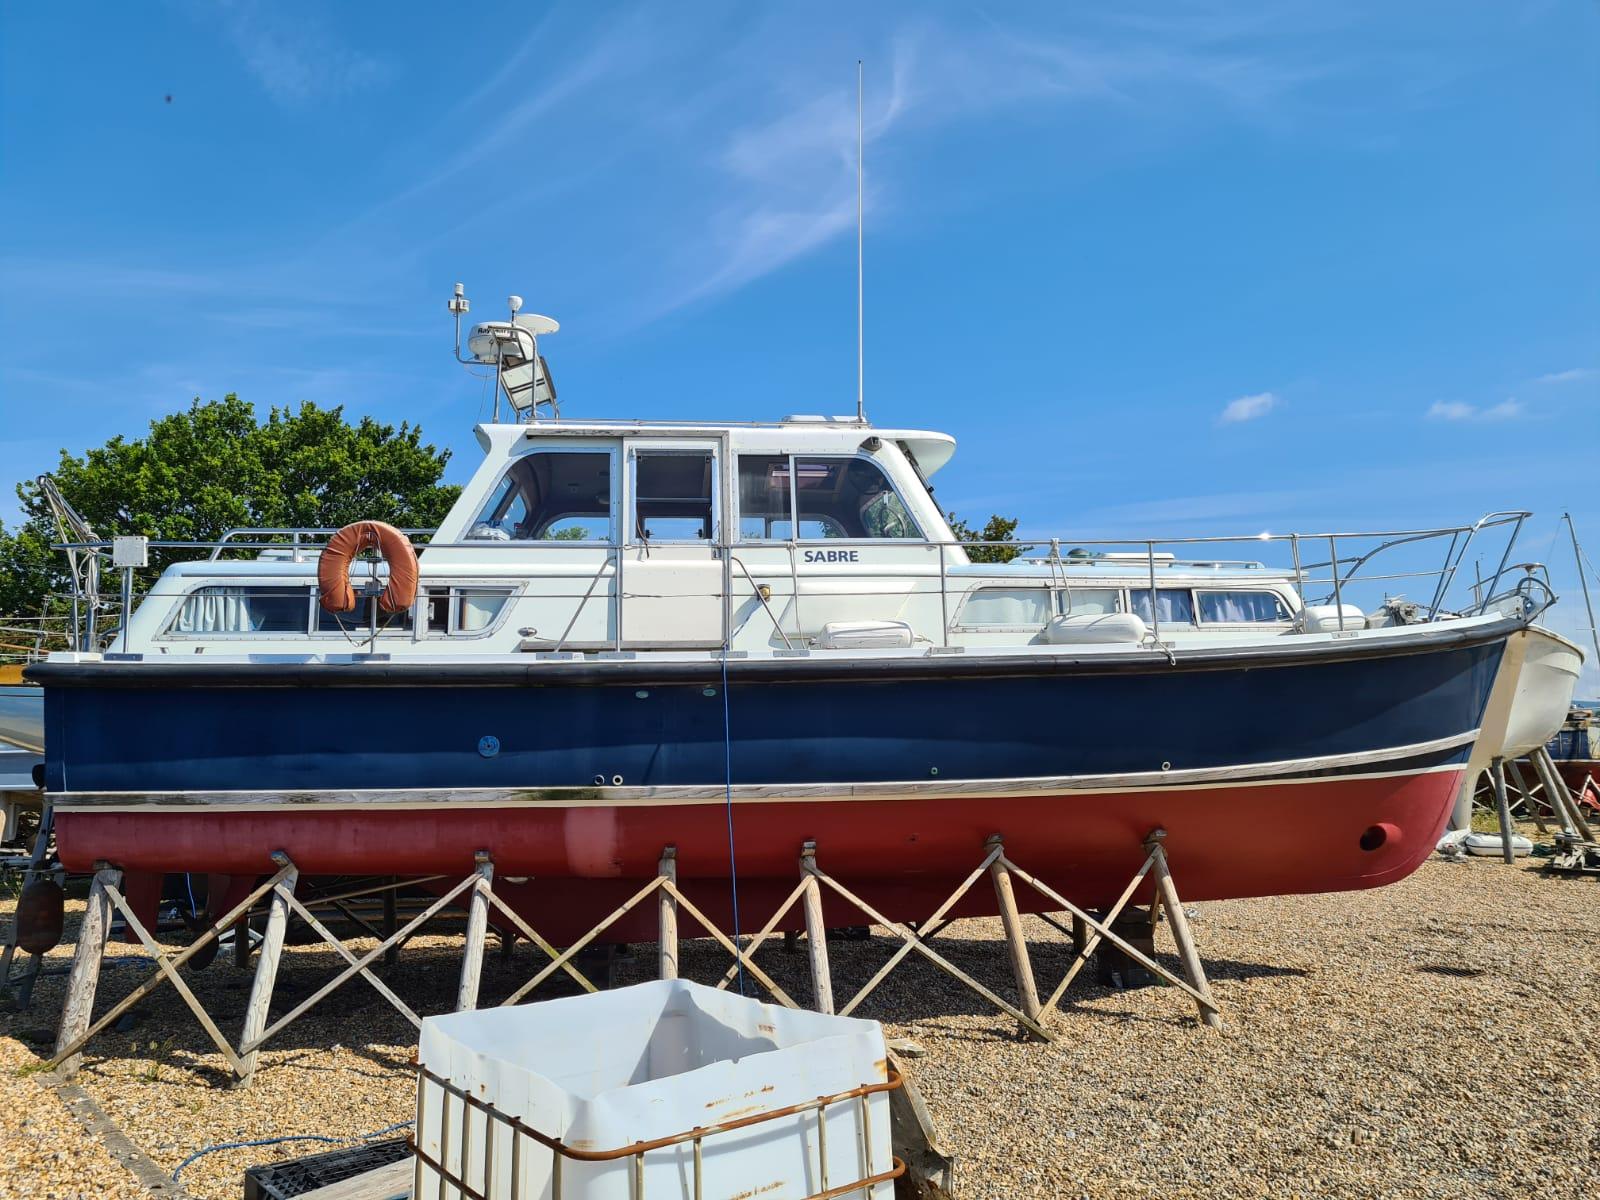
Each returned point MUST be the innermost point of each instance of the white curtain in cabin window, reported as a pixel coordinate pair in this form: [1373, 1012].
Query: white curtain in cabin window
[215, 610]
[1239, 606]
[478, 610]
[1082, 602]
[1007, 606]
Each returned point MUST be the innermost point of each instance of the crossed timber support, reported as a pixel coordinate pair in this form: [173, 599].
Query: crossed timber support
[78, 1026]
[1002, 871]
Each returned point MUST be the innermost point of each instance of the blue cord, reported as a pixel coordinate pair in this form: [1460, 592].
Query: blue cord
[293, 1137]
[727, 777]
[188, 883]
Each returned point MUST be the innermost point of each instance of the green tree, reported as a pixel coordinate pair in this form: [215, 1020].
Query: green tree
[216, 466]
[999, 529]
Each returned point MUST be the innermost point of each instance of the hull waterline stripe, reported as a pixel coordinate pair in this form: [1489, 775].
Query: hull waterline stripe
[1307, 770]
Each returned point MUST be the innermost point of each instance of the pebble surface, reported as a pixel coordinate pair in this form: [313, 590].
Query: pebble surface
[1436, 1038]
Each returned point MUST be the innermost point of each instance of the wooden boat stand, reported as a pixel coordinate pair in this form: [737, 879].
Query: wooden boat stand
[476, 891]
[1577, 851]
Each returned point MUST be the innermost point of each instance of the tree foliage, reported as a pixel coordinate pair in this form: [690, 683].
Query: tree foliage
[998, 529]
[215, 467]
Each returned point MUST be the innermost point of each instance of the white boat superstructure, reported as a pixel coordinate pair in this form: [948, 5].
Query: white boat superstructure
[807, 534]
[589, 537]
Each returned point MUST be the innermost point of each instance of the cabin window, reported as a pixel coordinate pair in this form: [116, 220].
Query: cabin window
[1174, 606]
[1240, 607]
[550, 496]
[672, 495]
[764, 497]
[359, 620]
[243, 609]
[464, 610]
[1028, 607]
[1089, 602]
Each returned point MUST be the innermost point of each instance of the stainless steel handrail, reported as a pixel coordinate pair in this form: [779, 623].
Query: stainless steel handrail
[756, 587]
[1342, 570]
[294, 532]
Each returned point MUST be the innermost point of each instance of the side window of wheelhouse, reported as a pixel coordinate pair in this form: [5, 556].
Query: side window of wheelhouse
[764, 512]
[1233, 608]
[848, 498]
[550, 496]
[1173, 606]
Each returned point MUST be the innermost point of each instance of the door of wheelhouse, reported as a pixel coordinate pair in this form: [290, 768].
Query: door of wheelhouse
[672, 578]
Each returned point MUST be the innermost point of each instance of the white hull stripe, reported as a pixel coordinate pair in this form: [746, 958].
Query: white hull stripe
[622, 796]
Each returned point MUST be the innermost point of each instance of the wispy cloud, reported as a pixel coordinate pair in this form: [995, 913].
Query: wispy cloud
[789, 176]
[293, 56]
[1575, 375]
[1248, 408]
[1456, 410]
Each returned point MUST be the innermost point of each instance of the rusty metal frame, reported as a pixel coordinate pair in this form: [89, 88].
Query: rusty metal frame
[636, 1151]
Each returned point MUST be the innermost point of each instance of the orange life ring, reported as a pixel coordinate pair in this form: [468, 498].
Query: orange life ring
[333, 567]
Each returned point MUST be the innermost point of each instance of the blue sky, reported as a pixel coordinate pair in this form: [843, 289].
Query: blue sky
[1180, 268]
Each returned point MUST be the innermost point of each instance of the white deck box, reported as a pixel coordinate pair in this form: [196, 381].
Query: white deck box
[605, 1071]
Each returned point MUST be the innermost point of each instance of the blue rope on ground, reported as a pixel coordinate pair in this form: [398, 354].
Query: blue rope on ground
[292, 1137]
[727, 777]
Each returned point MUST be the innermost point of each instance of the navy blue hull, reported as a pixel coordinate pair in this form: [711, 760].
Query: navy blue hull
[922, 726]
[1297, 767]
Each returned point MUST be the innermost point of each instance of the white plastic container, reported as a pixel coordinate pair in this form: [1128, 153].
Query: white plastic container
[611, 1069]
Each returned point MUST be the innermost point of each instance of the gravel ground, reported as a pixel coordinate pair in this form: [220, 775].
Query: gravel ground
[1424, 1040]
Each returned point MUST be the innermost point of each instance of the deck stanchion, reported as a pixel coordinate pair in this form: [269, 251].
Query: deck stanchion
[1497, 780]
[816, 932]
[255, 1015]
[667, 915]
[85, 974]
[477, 930]
[1011, 922]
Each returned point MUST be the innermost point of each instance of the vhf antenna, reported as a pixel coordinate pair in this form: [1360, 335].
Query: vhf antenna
[861, 174]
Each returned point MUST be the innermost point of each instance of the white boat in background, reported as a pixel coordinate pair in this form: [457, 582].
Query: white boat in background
[21, 755]
[1527, 707]
[22, 718]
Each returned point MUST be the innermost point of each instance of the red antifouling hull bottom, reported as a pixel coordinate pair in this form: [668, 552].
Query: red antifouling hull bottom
[903, 856]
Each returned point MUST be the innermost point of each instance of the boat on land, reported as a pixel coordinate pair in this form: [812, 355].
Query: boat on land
[736, 638]
[1575, 750]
